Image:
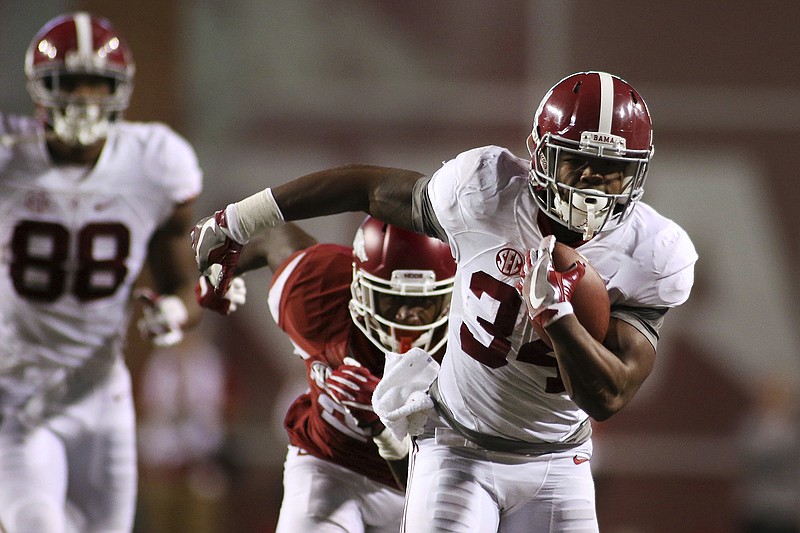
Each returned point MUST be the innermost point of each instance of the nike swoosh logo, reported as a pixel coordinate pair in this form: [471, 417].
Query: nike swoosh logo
[540, 286]
[202, 244]
[579, 460]
[536, 300]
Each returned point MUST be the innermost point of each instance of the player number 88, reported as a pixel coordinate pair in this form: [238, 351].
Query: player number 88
[40, 253]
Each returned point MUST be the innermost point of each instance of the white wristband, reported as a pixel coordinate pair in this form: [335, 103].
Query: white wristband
[390, 448]
[253, 215]
[557, 311]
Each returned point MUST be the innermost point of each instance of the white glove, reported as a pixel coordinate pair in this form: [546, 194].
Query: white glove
[214, 243]
[163, 319]
[401, 398]
[546, 292]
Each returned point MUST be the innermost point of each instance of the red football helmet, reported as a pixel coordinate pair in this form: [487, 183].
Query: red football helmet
[79, 44]
[402, 285]
[592, 115]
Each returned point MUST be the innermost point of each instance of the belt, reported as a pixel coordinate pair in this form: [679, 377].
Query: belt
[474, 439]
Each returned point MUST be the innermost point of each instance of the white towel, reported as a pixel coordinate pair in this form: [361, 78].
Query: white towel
[401, 398]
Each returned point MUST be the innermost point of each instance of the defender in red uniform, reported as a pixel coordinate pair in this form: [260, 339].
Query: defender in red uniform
[343, 308]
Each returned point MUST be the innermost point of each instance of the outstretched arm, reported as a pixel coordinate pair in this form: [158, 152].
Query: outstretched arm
[383, 192]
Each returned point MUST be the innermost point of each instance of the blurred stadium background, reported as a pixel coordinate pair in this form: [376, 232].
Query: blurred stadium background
[267, 91]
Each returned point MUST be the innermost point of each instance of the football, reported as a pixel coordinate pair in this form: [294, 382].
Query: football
[589, 298]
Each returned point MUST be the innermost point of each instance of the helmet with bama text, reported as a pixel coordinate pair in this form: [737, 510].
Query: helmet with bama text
[402, 285]
[599, 118]
[71, 45]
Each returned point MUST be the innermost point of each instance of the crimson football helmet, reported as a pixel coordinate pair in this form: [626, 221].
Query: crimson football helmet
[71, 45]
[598, 116]
[402, 285]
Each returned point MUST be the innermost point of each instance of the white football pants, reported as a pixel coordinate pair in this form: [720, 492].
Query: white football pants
[75, 471]
[457, 489]
[321, 497]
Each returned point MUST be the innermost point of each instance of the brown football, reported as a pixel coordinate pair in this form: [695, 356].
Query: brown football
[589, 298]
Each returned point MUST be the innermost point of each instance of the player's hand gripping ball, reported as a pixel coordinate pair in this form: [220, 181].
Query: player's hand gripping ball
[556, 274]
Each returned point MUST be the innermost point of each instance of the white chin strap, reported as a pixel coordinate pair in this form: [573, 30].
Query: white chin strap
[585, 211]
[80, 124]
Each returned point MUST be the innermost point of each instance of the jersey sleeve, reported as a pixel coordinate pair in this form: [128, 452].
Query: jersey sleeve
[473, 190]
[668, 259]
[309, 296]
[676, 268]
[6, 138]
[18, 132]
[174, 164]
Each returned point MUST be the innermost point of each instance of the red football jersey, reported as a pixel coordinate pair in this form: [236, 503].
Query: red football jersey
[309, 299]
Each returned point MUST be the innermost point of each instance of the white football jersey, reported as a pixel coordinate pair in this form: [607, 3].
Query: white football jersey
[497, 377]
[73, 240]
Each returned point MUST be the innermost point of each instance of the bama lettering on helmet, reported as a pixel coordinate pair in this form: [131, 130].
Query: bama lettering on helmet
[595, 138]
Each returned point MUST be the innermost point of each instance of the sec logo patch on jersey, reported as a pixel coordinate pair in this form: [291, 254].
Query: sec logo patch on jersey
[509, 261]
[38, 201]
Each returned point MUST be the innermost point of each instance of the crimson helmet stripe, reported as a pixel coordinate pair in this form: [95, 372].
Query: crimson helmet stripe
[606, 102]
[83, 31]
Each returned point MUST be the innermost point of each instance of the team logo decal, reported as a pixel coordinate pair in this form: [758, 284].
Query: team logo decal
[359, 246]
[543, 162]
[38, 201]
[509, 261]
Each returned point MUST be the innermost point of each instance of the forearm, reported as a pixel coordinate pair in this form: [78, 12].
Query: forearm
[174, 275]
[172, 270]
[186, 292]
[596, 379]
[385, 193]
[328, 192]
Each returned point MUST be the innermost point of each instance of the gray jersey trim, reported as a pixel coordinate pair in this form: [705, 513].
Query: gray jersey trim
[500, 444]
[423, 218]
[648, 320]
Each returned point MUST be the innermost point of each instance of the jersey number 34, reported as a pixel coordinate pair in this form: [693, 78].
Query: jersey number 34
[500, 329]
